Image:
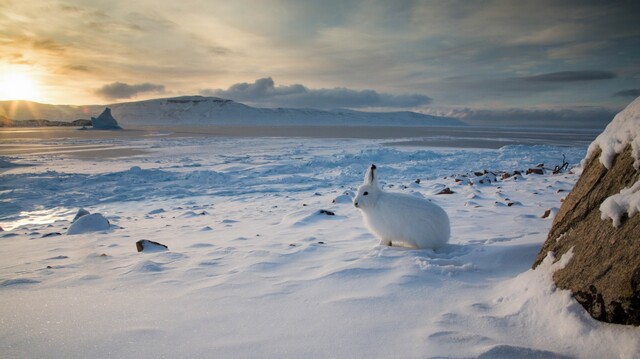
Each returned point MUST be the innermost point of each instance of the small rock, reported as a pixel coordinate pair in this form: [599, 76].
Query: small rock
[540, 165]
[327, 212]
[417, 181]
[505, 175]
[52, 234]
[546, 214]
[149, 246]
[537, 171]
[446, 190]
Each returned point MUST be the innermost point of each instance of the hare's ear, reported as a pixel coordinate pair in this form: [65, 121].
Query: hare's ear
[371, 177]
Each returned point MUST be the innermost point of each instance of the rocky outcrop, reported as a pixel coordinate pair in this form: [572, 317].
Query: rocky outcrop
[604, 272]
[105, 121]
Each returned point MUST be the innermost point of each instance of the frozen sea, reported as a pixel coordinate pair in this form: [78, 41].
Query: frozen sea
[256, 269]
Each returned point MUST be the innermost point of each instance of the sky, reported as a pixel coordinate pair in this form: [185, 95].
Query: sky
[564, 60]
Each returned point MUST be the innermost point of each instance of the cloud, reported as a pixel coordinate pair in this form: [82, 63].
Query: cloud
[264, 92]
[572, 76]
[628, 93]
[119, 90]
[577, 117]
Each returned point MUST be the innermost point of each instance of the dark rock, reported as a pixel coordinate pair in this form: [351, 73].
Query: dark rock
[105, 121]
[604, 272]
[505, 176]
[546, 214]
[150, 246]
[417, 180]
[537, 171]
[52, 234]
[327, 212]
[446, 190]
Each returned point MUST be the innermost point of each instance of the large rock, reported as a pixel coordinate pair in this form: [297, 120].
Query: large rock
[105, 121]
[598, 221]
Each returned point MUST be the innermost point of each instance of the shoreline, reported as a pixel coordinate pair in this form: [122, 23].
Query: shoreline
[37, 140]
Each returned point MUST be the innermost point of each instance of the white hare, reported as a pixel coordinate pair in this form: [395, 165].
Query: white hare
[399, 219]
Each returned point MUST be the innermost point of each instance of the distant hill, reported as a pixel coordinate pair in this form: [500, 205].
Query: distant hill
[199, 110]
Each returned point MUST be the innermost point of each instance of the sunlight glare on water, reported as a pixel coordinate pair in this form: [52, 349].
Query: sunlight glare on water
[38, 217]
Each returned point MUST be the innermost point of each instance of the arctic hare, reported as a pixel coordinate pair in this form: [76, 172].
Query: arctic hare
[400, 219]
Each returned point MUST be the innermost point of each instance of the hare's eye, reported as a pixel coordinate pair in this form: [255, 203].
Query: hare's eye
[366, 193]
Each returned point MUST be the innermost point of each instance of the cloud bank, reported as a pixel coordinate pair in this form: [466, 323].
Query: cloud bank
[633, 93]
[579, 117]
[264, 92]
[119, 90]
[572, 76]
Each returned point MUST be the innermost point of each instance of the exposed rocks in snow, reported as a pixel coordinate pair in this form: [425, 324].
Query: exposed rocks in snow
[89, 223]
[327, 212]
[535, 170]
[145, 245]
[52, 234]
[346, 197]
[446, 190]
[105, 121]
[604, 274]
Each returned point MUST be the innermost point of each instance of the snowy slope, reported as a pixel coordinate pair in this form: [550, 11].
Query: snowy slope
[198, 110]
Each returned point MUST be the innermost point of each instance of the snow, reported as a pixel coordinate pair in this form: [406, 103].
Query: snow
[622, 132]
[88, 223]
[255, 268]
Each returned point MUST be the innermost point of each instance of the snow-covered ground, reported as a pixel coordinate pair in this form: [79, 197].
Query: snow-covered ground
[255, 269]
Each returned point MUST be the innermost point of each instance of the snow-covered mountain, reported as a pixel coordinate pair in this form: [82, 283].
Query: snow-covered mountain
[199, 110]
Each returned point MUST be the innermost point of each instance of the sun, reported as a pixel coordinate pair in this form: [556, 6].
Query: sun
[18, 85]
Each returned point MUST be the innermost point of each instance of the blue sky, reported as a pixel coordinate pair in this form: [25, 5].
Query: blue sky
[457, 58]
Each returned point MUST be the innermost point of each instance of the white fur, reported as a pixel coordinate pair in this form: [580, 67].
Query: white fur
[401, 220]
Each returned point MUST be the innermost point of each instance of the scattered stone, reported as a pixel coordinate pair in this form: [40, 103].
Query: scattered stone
[540, 165]
[292, 245]
[327, 212]
[52, 234]
[546, 214]
[417, 181]
[457, 180]
[537, 171]
[321, 242]
[145, 245]
[446, 190]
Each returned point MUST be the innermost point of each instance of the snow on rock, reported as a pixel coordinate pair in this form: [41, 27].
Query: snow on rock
[89, 223]
[627, 202]
[145, 245]
[622, 132]
[105, 121]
